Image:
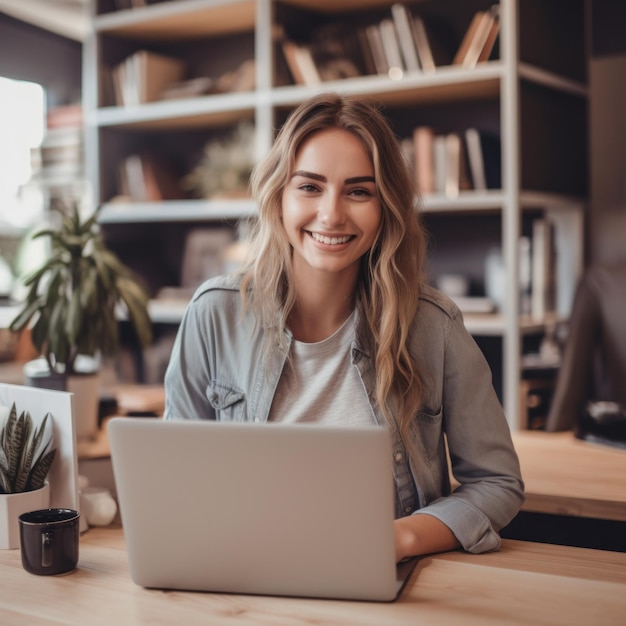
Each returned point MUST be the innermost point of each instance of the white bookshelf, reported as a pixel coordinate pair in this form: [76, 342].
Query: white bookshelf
[506, 81]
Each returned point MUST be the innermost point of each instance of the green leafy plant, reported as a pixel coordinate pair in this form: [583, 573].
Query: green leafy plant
[75, 297]
[25, 457]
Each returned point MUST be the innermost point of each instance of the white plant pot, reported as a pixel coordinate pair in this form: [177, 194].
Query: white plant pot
[12, 505]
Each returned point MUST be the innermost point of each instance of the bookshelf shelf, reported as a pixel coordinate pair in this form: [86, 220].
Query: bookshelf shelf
[206, 111]
[176, 211]
[445, 85]
[181, 19]
[530, 93]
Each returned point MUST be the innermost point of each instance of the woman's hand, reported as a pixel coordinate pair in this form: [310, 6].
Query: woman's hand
[422, 534]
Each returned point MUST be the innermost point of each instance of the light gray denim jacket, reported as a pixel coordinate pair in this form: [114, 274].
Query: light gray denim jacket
[217, 371]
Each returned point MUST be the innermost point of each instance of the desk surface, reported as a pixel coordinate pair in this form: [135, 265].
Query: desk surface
[524, 583]
[567, 476]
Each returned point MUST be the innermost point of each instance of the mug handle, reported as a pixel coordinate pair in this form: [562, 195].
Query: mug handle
[47, 538]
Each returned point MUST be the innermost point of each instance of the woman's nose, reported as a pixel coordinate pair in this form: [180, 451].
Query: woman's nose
[330, 211]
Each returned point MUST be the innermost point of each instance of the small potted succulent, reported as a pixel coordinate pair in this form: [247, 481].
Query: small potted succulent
[26, 455]
[73, 307]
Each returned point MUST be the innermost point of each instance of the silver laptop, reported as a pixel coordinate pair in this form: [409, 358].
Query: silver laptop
[279, 509]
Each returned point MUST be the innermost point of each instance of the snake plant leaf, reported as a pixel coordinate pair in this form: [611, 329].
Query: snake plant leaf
[7, 430]
[5, 483]
[4, 461]
[14, 450]
[30, 448]
[40, 470]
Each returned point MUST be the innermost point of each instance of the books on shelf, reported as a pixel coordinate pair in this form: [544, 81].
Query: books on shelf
[448, 163]
[402, 41]
[146, 178]
[143, 77]
[479, 39]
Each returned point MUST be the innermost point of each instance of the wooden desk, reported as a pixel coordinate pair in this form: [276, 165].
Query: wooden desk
[567, 476]
[524, 583]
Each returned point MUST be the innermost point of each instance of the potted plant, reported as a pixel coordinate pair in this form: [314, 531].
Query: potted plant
[26, 456]
[73, 305]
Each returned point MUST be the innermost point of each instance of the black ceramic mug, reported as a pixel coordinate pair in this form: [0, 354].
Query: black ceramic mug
[49, 541]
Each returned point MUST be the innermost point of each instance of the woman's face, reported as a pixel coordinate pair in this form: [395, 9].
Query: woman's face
[330, 207]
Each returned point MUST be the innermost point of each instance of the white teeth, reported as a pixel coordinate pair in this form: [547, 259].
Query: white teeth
[330, 240]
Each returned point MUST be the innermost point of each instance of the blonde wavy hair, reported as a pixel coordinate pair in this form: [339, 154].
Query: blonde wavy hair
[387, 291]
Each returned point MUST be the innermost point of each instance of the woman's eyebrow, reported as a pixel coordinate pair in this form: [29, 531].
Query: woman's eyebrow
[305, 174]
[348, 181]
[360, 179]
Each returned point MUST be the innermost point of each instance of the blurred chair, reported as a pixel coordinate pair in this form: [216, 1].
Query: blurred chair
[594, 359]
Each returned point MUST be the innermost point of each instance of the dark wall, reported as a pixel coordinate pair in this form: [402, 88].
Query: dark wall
[33, 54]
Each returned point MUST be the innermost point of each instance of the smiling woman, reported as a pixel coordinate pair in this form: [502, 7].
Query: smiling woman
[330, 321]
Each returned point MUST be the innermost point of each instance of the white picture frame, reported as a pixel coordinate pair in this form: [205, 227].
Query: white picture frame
[63, 475]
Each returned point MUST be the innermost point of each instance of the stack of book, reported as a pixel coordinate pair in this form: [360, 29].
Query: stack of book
[58, 162]
[448, 163]
[404, 42]
[144, 76]
[147, 178]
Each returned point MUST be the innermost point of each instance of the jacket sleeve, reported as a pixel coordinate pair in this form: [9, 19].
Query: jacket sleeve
[482, 457]
[187, 374]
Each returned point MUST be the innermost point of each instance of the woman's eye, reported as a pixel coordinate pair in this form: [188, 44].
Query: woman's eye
[308, 187]
[361, 193]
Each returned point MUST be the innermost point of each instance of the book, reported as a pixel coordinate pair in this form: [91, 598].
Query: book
[453, 165]
[64, 116]
[470, 35]
[147, 178]
[543, 261]
[375, 40]
[422, 44]
[301, 63]
[456, 169]
[490, 42]
[423, 150]
[402, 21]
[484, 159]
[143, 76]
[434, 42]
[155, 73]
[475, 158]
[391, 48]
[367, 56]
[482, 28]
[440, 152]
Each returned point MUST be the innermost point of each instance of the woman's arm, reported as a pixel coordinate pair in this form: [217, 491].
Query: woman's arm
[422, 534]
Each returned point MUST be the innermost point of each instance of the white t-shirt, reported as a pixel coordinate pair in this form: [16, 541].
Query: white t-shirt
[320, 384]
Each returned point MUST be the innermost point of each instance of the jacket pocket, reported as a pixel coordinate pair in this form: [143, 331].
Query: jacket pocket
[228, 402]
[428, 433]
